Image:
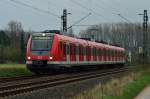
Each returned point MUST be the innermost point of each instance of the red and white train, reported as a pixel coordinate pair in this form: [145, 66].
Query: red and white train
[49, 51]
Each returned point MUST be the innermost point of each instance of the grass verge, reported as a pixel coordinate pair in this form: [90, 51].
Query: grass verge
[13, 70]
[133, 89]
[126, 87]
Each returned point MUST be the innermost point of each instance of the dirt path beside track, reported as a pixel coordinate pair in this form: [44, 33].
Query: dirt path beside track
[145, 94]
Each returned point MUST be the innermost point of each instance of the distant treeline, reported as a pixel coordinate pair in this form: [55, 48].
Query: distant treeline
[12, 43]
[13, 39]
[127, 35]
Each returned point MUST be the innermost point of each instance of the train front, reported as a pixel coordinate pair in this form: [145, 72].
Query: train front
[38, 52]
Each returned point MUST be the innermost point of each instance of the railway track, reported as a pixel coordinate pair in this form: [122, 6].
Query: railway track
[18, 87]
[9, 79]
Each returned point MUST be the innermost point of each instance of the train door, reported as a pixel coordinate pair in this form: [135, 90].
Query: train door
[60, 51]
[120, 55]
[72, 52]
[84, 54]
[88, 54]
[77, 53]
[64, 51]
[116, 55]
[107, 52]
[97, 54]
[108, 55]
[104, 54]
[91, 53]
[101, 54]
[94, 53]
[68, 53]
[80, 53]
[113, 55]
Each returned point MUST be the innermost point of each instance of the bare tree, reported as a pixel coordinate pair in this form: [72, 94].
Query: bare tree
[127, 35]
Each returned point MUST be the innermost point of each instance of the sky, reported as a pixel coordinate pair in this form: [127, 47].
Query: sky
[41, 15]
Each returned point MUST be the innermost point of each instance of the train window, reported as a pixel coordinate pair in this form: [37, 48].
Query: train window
[104, 52]
[64, 49]
[109, 52]
[94, 51]
[112, 53]
[87, 50]
[67, 49]
[60, 44]
[117, 53]
[71, 49]
[77, 50]
[80, 50]
[91, 51]
[99, 52]
[74, 50]
[121, 54]
[84, 51]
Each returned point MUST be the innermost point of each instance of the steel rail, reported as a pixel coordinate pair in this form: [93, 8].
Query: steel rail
[15, 89]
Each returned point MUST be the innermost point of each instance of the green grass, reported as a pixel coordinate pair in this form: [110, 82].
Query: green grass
[131, 90]
[134, 88]
[13, 70]
[127, 87]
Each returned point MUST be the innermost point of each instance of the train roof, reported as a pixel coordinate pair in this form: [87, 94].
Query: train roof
[82, 42]
[87, 42]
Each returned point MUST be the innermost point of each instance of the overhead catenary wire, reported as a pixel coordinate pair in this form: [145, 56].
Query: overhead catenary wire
[124, 18]
[77, 3]
[84, 25]
[88, 9]
[115, 10]
[117, 4]
[110, 6]
[35, 8]
[80, 20]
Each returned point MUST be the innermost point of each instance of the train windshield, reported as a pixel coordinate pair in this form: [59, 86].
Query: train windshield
[40, 43]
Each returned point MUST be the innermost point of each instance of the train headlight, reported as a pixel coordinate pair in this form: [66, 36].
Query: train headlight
[50, 58]
[43, 34]
[28, 57]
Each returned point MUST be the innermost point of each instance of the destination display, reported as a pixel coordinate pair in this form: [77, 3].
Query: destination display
[42, 37]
